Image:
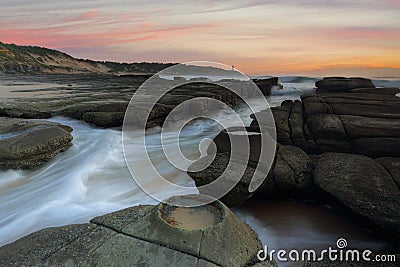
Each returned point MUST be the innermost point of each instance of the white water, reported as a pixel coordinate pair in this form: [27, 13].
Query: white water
[89, 179]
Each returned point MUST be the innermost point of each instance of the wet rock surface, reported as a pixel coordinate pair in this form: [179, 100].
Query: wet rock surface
[139, 236]
[359, 123]
[361, 186]
[25, 144]
[103, 99]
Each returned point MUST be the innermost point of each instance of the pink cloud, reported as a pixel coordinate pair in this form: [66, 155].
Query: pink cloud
[86, 15]
[59, 37]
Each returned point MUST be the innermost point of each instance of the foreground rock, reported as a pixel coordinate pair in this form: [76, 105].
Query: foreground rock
[25, 144]
[143, 236]
[362, 187]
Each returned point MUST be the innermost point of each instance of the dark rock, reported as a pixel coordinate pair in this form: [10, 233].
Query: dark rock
[253, 136]
[339, 84]
[281, 117]
[101, 99]
[392, 165]
[267, 84]
[104, 119]
[238, 195]
[327, 126]
[378, 91]
[366, 110]
[178, 78]
[27, 144]
[341, 122]
[366, 127]
[290, 177]
[362, 187]
[377, 147]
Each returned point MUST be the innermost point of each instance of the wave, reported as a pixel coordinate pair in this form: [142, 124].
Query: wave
[298, 79]
[387, 83]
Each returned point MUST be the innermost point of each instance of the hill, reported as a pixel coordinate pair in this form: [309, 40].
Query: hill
[32, 59]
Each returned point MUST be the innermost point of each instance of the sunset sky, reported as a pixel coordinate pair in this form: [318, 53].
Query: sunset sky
[258, 37]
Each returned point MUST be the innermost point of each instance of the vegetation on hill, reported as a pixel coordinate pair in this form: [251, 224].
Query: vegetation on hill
[33, 59]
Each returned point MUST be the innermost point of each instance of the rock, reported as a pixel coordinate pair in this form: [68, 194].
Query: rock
[238, 195]
[377, 147]
[267, 84]
[104, 119]
[378, 91]
[361, 187]
[101, 99]
[340, 84]
[160, 235]
[359, 123]
[25, 144]
[367, 127]
[253, 136]
[290, 177]
[329, 133]
[14, 109]
[281, 117]
[326, 126]
[178, 78]
[365, 110]
[296, 125]
[392, 165]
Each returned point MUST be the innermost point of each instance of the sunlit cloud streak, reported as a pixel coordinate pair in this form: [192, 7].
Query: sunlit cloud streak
[271, 36]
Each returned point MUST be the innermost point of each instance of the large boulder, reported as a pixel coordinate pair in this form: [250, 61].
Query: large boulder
[160, 235]
[361, 187]
[290, 176]
[25, 144]
[340, 84]
[239, 194]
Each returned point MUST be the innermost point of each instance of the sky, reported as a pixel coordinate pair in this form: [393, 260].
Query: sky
[272, 37]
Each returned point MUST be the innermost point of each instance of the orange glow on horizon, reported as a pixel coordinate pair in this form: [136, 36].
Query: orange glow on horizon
[275, 37]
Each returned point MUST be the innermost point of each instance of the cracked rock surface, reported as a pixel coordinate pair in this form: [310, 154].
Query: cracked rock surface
[25, 144]
[138, 236]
